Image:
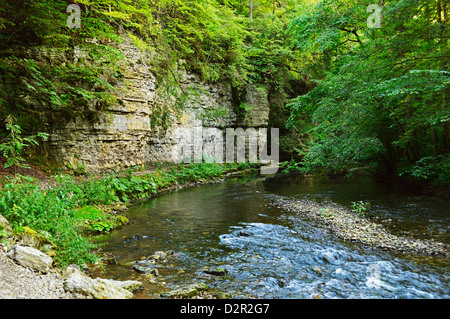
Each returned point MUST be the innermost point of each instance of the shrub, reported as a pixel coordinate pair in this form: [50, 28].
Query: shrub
[65, 208]
[360, 207]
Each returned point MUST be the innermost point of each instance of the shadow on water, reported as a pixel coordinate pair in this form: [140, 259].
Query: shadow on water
[270, 253]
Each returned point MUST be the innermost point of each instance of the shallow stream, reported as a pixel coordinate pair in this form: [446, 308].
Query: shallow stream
[272, 253]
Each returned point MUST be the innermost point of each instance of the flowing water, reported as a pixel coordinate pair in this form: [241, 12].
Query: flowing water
[272, 253]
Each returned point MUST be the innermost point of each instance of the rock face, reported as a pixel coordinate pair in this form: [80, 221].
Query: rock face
[140, 127]
[31, 258]
[257, 114]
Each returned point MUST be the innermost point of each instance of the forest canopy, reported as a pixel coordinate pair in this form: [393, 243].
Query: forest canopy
[382, 93]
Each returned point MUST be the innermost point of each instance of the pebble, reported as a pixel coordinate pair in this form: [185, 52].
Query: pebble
[351, 227]
[18, 282]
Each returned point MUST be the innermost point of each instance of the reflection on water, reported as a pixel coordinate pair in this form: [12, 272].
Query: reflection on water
[397, 207]
[270, 253]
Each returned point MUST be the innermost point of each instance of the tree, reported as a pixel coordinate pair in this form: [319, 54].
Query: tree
[381, 97]
[14, 147]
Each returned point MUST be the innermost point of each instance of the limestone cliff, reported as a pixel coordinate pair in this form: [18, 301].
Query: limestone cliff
[132, 131]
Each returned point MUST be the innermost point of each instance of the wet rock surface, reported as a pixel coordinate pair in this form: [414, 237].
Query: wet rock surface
[216, 271]
[186, 291]
[150, 264]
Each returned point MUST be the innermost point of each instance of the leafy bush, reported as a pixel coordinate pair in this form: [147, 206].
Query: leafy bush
[49, 209]
[360, 207]
[14, 148]
[373, 105]
[432, 168]
[95, 220]
[292, 167]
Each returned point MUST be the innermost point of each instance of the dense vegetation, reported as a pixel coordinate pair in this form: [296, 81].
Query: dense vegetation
[220, 40]
[359, 97]
[382, 96]
[64, 208]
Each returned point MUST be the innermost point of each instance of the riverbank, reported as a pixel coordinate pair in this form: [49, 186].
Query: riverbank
[91, 205]
[267, 251]
[19, 282]
[354, 227]
[65, 208]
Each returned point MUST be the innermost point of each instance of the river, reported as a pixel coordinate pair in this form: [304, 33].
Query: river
[271, 253]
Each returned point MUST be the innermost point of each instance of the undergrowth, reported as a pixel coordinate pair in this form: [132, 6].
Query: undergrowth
[65, 209]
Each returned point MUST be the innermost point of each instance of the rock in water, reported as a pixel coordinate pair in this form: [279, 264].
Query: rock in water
[217, 272]
[145, 269]
[130, 285]
[31, 258]
[159, 255]
[98, 288]
[186, 291]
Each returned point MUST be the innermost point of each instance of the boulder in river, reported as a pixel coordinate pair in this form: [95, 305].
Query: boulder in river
[148, 264]
[161, 256]
[216, 271]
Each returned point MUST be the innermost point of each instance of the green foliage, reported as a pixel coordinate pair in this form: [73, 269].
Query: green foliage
[131, 187]
[76, 87]
[24, 21]
[381, 95]
[3, 234]
[360, 207]
[432, 168]
[292, 167]
[89, 212]
[214, 39]
[72, 89]
[93, 219]
[46, 208]
[14, 147]
[66, 208]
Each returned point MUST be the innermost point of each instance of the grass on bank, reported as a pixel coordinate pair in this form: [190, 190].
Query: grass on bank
[64, 209]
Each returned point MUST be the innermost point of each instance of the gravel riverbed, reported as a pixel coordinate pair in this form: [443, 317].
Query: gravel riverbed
[350, 226]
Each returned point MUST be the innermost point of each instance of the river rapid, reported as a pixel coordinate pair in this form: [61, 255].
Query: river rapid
[265, 251]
